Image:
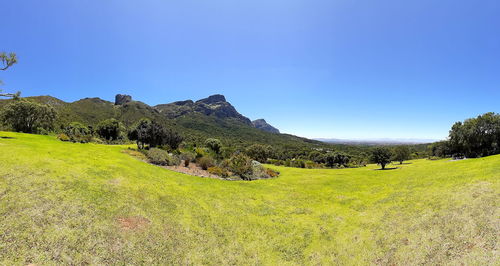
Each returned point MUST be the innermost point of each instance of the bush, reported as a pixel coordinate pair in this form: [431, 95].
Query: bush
[272, 173]
[159, 157]
[218, 171]
[241, 165]
[110, 129]
[200, 152]
[206, 162]
[259, 152]
[214, 144]
[77, 132]
[63, 137]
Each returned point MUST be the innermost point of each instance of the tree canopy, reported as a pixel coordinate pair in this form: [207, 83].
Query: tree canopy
[381, 156]
[28, 117]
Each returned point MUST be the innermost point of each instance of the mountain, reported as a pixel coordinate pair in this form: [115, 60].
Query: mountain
[215, 105]
[211, 117]
[263, 125]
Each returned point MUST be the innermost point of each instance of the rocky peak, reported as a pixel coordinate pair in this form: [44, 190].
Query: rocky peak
[263, 125]
[121, 99]
[216, 98]
[215, 105]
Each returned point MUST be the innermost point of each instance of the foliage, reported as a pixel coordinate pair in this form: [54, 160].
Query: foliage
[6, 61]
[336, 159]
[381, 156]
[218, 171]
[154, 134]
[28, 117]
[63, 137]
[272, 173]
[158, 156]
[259, 152]
[206, 162]
[241, 165]
[476, 137]
[440, 149]
[214, 144]
[77, 132]
[110, 129]
[401, 153]
[187, 157]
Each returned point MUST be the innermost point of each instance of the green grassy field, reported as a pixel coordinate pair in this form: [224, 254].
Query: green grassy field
[65, 203]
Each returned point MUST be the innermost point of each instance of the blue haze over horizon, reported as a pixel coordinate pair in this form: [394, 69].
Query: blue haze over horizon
[319, 69]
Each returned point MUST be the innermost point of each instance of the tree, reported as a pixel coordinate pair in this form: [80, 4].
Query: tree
[7, 60]
[28, 117]
[78, 132]
[140, 133]
[110, 129]
[381, 156]
[336, 159]
[259, 152]
[401, 153]
[476, 137]
[154, 134]
[214, 144]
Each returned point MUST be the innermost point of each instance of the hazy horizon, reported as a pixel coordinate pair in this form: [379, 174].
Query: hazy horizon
[317, 69]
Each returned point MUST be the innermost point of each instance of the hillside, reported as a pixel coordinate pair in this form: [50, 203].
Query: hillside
[212, 117]
[65, 203]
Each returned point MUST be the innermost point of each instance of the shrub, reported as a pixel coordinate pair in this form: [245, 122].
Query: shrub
[214, 144]
[218, 171]
[159, 157]
[200, 152]
[77, 132]
[241, 165]
[259, 152]
[63, 137]
[206, 162]
[110, 129]
[258, 171]
[272, 173]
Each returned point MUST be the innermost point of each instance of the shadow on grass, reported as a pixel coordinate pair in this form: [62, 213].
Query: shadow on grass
[387, 169]
[2, 137]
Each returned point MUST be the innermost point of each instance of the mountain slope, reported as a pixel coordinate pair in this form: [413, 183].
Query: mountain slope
[263, 125]
[212, 117]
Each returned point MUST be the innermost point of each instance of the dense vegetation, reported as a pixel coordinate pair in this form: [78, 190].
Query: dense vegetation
[475, 137]
[96, 120]
[72, 203]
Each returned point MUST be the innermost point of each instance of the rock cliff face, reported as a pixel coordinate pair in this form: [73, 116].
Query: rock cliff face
[121, 99]
[215, 105]
[263, 125]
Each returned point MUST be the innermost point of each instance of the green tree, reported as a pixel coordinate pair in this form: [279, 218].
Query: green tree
[336, 159]
[401, 153]
[28, 117]
[77, 132]
[381, 156]
[7, 60]
[214, 144]
[110, 129]
[259, 152]
[151, 133]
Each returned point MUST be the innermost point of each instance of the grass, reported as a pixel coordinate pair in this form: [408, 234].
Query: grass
[65, 203]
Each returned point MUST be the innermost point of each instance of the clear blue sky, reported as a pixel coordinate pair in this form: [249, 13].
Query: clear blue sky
[326, 68]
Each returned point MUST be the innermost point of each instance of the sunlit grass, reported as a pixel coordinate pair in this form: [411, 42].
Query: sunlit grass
[86, 203]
